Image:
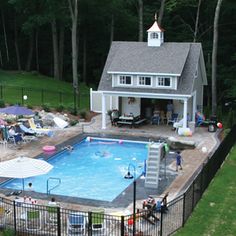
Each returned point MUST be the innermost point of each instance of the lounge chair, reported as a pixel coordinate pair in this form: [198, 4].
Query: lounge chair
[33, 220]
[39, 130]
[76, 224]
[98, 220]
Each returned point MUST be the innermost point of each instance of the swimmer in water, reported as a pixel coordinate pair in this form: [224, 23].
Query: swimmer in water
[68, 148]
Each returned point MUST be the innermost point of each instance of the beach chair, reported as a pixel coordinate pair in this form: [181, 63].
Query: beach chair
[76, 224]
[38, 129]
[33, 220]
[98, 220]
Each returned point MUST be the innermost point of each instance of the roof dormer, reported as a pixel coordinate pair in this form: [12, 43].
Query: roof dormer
[155, 35]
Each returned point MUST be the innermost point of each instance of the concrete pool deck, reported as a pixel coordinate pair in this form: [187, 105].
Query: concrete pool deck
[193, 159]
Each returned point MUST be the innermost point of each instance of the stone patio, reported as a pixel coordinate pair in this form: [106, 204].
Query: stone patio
[193, 159]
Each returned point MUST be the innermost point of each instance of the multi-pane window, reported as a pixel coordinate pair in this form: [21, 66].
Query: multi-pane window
[163, 81]
[125, 79]
[144, 80]
[154, 35]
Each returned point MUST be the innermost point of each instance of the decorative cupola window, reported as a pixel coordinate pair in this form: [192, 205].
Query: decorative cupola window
[155, 35]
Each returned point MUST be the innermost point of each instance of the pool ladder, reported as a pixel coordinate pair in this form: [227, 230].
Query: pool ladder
[57, 185]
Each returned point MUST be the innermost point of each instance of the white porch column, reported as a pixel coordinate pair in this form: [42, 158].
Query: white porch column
[194, 106]
[103, 111]
[185, 113]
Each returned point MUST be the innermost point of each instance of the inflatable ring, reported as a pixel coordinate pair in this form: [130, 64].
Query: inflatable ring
[49, 148]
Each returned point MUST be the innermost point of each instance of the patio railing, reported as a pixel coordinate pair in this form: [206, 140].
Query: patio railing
[32, 219]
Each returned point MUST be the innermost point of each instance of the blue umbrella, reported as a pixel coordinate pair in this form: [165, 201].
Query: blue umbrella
[16, 110]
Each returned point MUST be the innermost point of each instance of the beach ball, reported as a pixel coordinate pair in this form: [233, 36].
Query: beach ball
[219, 125]
[204, 149]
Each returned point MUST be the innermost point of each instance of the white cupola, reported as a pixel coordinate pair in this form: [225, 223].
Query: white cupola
[155, 35]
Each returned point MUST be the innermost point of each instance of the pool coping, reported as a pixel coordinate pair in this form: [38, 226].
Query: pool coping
[123, 199]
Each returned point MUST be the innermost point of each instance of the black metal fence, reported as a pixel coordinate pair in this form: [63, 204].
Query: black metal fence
[32, 219]
[37, 97]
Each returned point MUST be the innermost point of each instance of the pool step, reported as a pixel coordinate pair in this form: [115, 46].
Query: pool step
[153, 165]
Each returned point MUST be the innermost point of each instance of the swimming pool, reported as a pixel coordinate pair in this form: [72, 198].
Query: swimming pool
[95, 169]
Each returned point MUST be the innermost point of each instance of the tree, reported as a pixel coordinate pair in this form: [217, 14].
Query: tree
[73, 7]
[161, 12]
[214, 56]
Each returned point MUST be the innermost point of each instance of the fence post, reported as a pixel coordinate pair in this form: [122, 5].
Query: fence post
[60, 97]
[122, 226]
[89, 223]
[184, 200]
[161, 225]
[1, 92]
[14, 215]
[42, 96]
[22, 94]
[58, 221]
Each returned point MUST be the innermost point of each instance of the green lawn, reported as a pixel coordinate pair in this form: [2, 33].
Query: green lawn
[215, 214]
[39, 90]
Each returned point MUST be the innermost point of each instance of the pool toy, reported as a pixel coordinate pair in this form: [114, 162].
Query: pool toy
[88, 139]
[219, 125]
[48, 148]
[120, 141]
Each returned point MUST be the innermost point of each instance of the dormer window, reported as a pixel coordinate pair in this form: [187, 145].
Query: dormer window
[125, 80]
[154, 35]
[163, 82]
[144, 81]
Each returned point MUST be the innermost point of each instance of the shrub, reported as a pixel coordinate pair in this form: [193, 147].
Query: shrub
[83, 114]
[2, 103]
[46, 107]
[73, 122]
[8, 232]
[60, 108]
[30, 106]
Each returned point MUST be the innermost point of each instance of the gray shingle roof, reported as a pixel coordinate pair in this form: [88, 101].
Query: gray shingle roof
[176, 58]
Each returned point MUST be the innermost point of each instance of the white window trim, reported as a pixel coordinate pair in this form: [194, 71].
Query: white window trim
[125, 85]
[144, 85]
[163, 86]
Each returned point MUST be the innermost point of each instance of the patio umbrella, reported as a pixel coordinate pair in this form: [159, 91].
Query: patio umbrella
[24, 167]
[16, 110]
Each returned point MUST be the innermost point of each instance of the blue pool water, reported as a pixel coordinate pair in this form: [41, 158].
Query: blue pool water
[93, 170]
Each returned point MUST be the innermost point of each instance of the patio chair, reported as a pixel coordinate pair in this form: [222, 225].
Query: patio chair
[76, 224]
[2, 217]
[38, 129]
[51, 215]
[98, 220]
[33, 220]
[173, 118]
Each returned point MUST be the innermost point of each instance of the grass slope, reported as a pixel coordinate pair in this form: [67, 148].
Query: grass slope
[39, 89]
[215, 215]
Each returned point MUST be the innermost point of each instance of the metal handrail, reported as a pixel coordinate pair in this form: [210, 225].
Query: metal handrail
[57, 185]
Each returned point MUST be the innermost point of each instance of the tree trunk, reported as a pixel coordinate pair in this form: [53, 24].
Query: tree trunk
[1, 63]
[112, 29]
[55, 49]
[5, 36]
[61, 51]
[37, 50]
[161, 12]
[140, 16]
[16, 46]
[197, 21]
[73, 6]
[214, 57]
[30, 52]
[85, 57]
